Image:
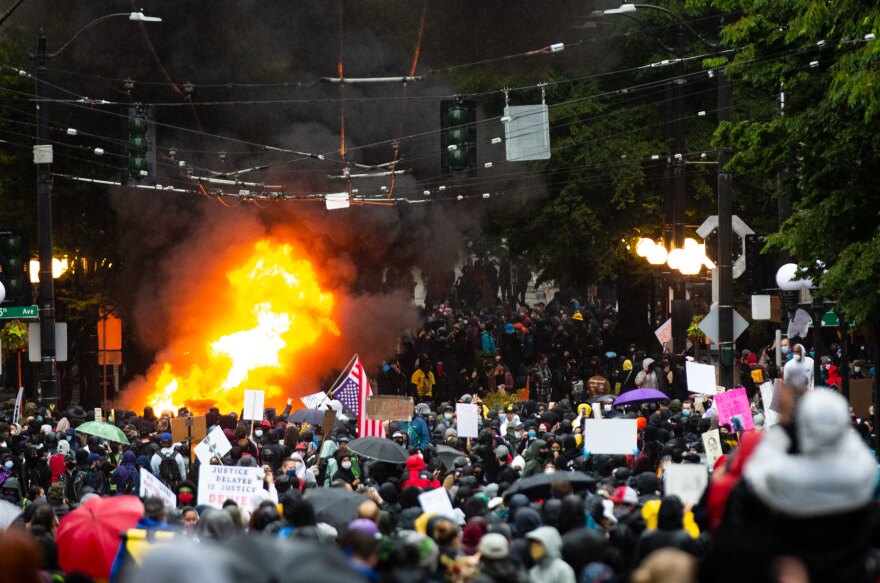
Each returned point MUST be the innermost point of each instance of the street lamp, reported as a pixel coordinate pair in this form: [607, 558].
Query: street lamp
[48, 391]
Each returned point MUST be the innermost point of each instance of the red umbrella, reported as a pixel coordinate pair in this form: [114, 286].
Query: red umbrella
[88, 537]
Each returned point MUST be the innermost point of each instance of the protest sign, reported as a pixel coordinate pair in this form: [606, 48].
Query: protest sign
[468, 419]
[687, 481]
[99, 415]
[390, 408]
[664, 332]
[436, 500]
[771, 417]
[700, 378]
[215, 444]
[188, 429]
[315, 400]
[253, 405]
[712, 446]
[153, 486]
[217, 484]
[597, 411]
[610, 436]
[734, 404]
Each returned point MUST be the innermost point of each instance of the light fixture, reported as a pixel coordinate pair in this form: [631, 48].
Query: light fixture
[644, 246]
[622, 9]
[657, 255]
[141, 17]
[785, 279]
[59, 268]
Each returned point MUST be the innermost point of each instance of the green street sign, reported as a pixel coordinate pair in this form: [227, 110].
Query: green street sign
[17, 312]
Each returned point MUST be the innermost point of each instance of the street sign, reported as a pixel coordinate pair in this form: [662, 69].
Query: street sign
[19, 312]
[709, 325]
[34, 352]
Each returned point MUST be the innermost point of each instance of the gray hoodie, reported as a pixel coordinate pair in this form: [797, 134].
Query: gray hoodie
[550, 569]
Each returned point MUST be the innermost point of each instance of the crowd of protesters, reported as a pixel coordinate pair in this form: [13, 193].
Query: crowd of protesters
[793, 502]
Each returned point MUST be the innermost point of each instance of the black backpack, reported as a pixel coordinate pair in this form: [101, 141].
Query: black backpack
[169, 471]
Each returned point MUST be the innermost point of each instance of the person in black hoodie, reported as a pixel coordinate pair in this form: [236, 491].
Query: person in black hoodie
[670, 531]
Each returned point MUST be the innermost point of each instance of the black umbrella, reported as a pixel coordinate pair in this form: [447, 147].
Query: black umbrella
[335, 506]
[263, 559]
[310, 416]
[379, 448]
[447, 455]
[539, 485]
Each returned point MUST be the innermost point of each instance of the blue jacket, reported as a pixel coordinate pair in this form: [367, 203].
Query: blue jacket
[488, 344]
[417, 432]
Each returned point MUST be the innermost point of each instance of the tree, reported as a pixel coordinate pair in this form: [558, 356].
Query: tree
[826, 145]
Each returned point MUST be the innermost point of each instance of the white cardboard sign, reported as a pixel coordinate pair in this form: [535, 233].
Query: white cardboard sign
[153, 486]
[253, 405]
[610, 436]
[768, 392]
[436, 500]
[214, 444]
[712, 446]
[468, 419]
[217, 484]
[687, 481]
[315, 401]
[700, 378]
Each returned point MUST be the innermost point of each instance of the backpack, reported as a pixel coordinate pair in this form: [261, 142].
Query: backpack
[169, 471]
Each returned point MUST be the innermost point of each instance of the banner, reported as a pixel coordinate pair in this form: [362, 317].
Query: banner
[610, 436]
[217, 484]
[734, 404]
[664, 332]
[153, 486]
[390, 408]
[315, 400]
[467, 418]
[215, 444]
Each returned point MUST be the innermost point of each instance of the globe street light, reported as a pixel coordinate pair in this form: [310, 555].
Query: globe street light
[48, 390]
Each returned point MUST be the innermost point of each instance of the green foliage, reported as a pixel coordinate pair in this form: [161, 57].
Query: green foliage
[826, 144]
[14, 336]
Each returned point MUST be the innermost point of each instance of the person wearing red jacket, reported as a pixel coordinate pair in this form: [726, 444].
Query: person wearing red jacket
[57, 461]
[417, 475]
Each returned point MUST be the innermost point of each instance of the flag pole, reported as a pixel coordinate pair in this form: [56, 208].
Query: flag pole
[344, 372]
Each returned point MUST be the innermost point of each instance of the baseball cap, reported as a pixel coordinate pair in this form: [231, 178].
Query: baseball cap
[397, 434]
[494, 546]
[165, 436]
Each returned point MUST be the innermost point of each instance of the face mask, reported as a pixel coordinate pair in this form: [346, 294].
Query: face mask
[785, 349]
[186, 498]
[68, 437]
[532, 434]
[606, 407]
[798, 357]
[346, 465]
[9, 464]
[448, 416]
[258, 433]
[686, 412]
[291, 473]
[857, 369]
[549, 471]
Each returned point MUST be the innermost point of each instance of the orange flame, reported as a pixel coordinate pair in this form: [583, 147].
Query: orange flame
[275, 309]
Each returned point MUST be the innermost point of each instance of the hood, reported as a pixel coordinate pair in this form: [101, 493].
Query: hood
[13, 483]
[527, 519]
[834, 473]
[627, 364]
[646, 364]
[128, 458]
[415, 463]
[549, 537]
[534, 448]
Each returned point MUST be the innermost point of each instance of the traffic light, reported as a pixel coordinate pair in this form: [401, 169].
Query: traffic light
[760, 267]
[458, 137]
[141, 146]
[14, 260]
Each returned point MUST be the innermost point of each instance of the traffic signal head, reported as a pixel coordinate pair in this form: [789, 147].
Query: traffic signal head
[14, 260]
[141, 146]
[458, 137]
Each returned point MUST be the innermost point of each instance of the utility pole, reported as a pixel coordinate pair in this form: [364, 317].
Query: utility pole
[48, 389]
[725, 232]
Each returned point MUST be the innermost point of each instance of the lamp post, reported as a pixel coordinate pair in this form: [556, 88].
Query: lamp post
[725, 204]
[48, 391]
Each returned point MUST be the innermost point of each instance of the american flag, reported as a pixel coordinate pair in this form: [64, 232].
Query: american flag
[353, 394]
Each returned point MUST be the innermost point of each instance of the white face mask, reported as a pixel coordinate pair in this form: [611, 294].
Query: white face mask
[798, 356]
[785, 349]
[346, 465]
[258, 433]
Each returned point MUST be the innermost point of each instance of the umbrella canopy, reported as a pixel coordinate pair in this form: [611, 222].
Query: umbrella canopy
[637, 396]
[539, 485]
[379, 448]
[104, 431]
[264, 559]
[88, 537]
[310, 416]
[335, 506]
[447, 455]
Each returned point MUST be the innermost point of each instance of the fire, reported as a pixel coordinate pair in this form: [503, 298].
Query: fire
[273, 309]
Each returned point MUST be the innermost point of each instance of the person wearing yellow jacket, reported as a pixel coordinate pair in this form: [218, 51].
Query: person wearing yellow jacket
[423, 381]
